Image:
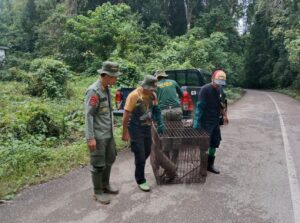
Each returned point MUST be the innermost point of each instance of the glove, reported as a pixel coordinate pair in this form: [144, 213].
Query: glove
[160, 129]
[196, 125]
[198, 114]
[156, 116]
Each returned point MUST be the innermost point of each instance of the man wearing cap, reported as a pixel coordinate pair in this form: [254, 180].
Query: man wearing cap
[210, 107]
[99, 130]
[140, 109]
[169, 94]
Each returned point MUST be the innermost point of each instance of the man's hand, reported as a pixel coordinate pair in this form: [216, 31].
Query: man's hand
[161, 129]
[125, 135]
[226, 121]
[91, 144]
[126, 117]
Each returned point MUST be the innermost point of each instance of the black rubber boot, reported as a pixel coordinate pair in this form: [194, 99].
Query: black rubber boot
[99, 194]
[109, 189]
[210, 165]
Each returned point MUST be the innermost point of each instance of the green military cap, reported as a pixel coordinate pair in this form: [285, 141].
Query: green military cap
[149, 82]
[110, 68]
[160, 73]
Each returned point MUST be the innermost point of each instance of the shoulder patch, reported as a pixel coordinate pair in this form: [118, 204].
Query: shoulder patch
[94, 100]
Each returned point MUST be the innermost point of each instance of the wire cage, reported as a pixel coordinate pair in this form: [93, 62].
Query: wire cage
[179, 155]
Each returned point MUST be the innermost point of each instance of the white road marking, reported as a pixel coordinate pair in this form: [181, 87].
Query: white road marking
[292, 174]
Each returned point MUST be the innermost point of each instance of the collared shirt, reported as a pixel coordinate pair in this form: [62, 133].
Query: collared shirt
[98, 112]
[140, 105]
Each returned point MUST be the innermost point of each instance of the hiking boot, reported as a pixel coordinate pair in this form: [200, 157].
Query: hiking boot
[144, 187]
[102, 198]
[110, 190]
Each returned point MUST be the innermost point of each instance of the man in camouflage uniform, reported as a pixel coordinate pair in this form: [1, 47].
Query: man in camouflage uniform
[99, 131]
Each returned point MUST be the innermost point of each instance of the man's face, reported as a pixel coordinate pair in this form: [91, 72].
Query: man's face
[111, 80]
[147, 91]
[216, 86]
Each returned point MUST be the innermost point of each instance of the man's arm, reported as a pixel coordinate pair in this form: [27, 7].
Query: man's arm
[128, 108]
[198, 114]
[178, 90]
[200, 107]
[226, 120]
[224, 113]
[91, 103]
[224, 107]
[125, 121]
[156, 115]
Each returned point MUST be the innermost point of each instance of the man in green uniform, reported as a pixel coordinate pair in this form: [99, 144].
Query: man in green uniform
[99, 131]
[168, 95]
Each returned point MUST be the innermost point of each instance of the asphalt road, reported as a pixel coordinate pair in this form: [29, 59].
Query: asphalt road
[259, 162]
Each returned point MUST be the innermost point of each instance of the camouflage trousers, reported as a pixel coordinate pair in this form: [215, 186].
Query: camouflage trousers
[104, 154]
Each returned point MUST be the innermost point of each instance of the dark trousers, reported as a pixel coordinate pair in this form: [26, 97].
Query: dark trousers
[213, 129]
[141, 147]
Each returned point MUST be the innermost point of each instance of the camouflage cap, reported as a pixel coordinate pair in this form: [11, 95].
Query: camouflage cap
[149, 82]
[110, 68]
[160, 73]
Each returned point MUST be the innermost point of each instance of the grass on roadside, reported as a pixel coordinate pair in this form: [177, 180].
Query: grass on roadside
[233, 94]
[24, 164]
[31, 158]
[290, 92]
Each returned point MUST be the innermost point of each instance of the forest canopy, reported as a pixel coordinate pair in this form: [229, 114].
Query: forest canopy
[145, 35]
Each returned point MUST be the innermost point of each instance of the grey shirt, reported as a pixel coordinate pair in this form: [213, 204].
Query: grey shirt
[98, 112]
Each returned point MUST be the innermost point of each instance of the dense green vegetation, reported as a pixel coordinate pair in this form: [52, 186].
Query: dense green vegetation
[40, 138]
[56, 46]
[273, 45]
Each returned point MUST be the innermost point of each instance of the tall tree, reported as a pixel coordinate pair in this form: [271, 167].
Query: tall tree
[29, 21]
[274, 45]
[258, 60]
[177, 11]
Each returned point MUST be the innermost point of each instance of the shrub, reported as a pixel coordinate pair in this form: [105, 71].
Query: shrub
[296, 83]
[49, 78]
[41, 123]
[130, 75]
[14, 74]
[73, 121]
[93, 38]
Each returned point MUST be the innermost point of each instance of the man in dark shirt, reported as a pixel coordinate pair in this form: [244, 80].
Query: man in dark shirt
[208, 111]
